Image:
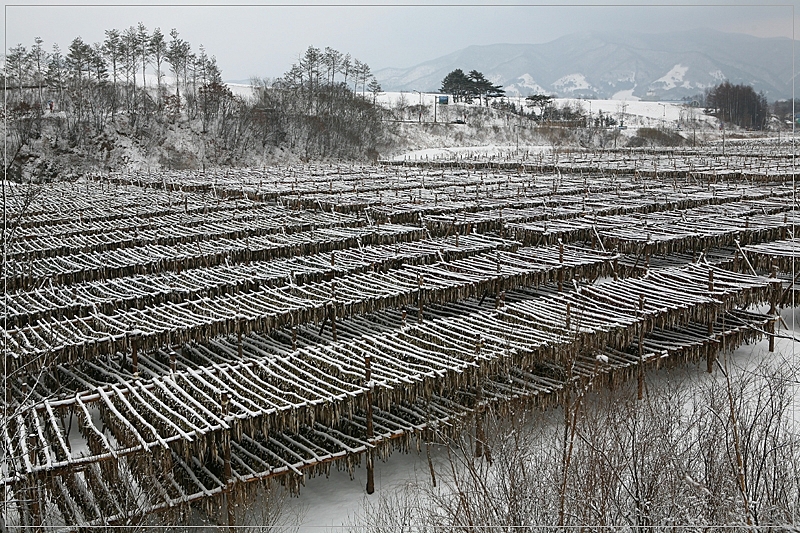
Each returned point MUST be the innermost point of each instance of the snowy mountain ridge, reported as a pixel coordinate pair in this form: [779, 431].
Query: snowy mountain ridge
[665, 66]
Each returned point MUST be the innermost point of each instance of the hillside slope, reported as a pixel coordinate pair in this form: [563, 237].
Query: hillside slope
[667, 66]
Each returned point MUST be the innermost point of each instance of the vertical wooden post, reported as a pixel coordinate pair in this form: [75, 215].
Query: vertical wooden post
[173, 364]
[370, 427]
[711, 292]
[640, 384]
[785, 224]
[420, 281]
[773, 308]
[332, 311]
[33, 492]
[560, 266]
[332, 314]
[134, 337]
[294, 338]
[226, 458]
[710, 357]
[239, 320]
[480, 436]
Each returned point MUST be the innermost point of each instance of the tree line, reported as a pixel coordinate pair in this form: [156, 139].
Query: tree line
[143, 81]
[105, 78]
[738, 104]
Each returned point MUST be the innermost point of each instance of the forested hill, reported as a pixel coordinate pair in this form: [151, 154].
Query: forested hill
[145, 98]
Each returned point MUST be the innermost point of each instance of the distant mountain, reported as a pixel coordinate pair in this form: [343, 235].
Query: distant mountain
[663, 66]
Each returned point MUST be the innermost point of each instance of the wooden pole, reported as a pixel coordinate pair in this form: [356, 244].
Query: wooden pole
[710, 356]
[134, 337]
[561, 266]
[773, 308]
[33, 492]
[332, 312]
[370, 427]
[239, 320]
[420, 282]
[226, 457]
[480, 435]
[640, 384]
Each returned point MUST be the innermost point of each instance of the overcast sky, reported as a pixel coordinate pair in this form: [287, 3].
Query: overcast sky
[265, 39]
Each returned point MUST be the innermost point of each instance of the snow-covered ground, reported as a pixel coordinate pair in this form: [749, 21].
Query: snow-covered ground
[655, 111]
[670, 112]
[240, 89]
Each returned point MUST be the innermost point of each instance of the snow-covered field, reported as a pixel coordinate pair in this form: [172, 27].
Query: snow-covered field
[670, 112]
[654, 112]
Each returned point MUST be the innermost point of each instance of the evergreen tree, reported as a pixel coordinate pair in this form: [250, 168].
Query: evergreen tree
[458, 84]
[17, 66]
[56, 71]
[540, 101]
[375, 88]
[112, 52]
[38, 61]
[177, 56]
[482, 88]
[158, 51]
[738, 104]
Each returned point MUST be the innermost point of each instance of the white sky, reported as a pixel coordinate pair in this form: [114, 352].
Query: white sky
[265, 39]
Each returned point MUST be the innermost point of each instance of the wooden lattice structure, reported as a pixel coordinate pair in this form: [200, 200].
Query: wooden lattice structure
[172, 339]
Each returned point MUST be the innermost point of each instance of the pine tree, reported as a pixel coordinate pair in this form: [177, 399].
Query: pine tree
[158, 50]
[17, 66]
[541, 101]
[56, 71]
[458, 84]
[38, 61]
[112, 51]
[178, 58]
[375, 89]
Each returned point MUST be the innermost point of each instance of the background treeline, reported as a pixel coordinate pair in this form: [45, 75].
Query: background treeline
[145, 85]
[738, 104]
